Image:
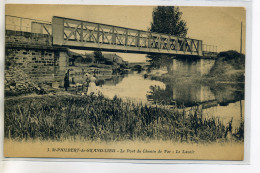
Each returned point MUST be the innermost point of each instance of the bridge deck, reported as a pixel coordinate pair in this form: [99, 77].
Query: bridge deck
[88, 35]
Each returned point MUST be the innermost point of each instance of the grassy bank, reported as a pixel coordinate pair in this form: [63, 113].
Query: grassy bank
[97, 118]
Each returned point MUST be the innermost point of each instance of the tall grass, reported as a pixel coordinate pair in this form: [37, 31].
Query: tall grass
[99, 118]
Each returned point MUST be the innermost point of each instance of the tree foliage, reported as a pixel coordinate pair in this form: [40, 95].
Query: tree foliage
[232, 57]
[98, 56]
[167, 20]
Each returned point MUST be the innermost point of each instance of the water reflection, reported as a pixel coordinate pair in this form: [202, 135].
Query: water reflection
[111, 81]
[132, 86]
[182, 93]
[222, 100]
[191, 93]
[215, 99]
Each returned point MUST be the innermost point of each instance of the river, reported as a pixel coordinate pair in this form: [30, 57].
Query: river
[222, 100]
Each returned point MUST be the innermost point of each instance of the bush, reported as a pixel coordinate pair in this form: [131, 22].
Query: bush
[82, 60]
[237, 60]
[107, 62]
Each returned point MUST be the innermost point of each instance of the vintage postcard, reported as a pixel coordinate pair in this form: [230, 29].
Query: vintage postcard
[124, 82]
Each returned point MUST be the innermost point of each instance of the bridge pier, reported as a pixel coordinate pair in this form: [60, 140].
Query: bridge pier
[33, 54]
[63, 61]
[187, 67]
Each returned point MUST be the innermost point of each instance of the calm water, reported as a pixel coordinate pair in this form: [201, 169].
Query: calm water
[220, 100]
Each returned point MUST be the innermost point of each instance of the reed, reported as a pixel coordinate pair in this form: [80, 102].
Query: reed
[97, 118]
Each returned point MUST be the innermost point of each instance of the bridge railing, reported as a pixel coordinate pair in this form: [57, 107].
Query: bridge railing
[209, 50]
[70, 32]
[27, 25]
[41, 28]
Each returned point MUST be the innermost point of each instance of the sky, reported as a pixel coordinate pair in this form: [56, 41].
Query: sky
[220, 26]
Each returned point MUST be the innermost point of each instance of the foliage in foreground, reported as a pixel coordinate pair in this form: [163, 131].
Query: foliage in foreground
[98, 118]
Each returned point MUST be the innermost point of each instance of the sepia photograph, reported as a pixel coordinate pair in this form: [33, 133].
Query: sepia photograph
[124, 82]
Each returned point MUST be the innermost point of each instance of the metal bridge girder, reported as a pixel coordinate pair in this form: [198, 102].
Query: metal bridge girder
[87, 35]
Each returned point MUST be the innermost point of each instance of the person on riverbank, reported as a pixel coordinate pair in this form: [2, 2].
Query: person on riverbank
[92, 85]
[87, 81]
[66, 82]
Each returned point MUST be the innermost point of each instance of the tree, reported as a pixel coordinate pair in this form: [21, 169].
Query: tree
[98, 56]
[166, 20]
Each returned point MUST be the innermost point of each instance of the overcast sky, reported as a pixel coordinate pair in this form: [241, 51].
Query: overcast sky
[218, 26]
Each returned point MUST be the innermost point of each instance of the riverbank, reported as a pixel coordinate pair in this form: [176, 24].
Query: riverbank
[94, 117]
